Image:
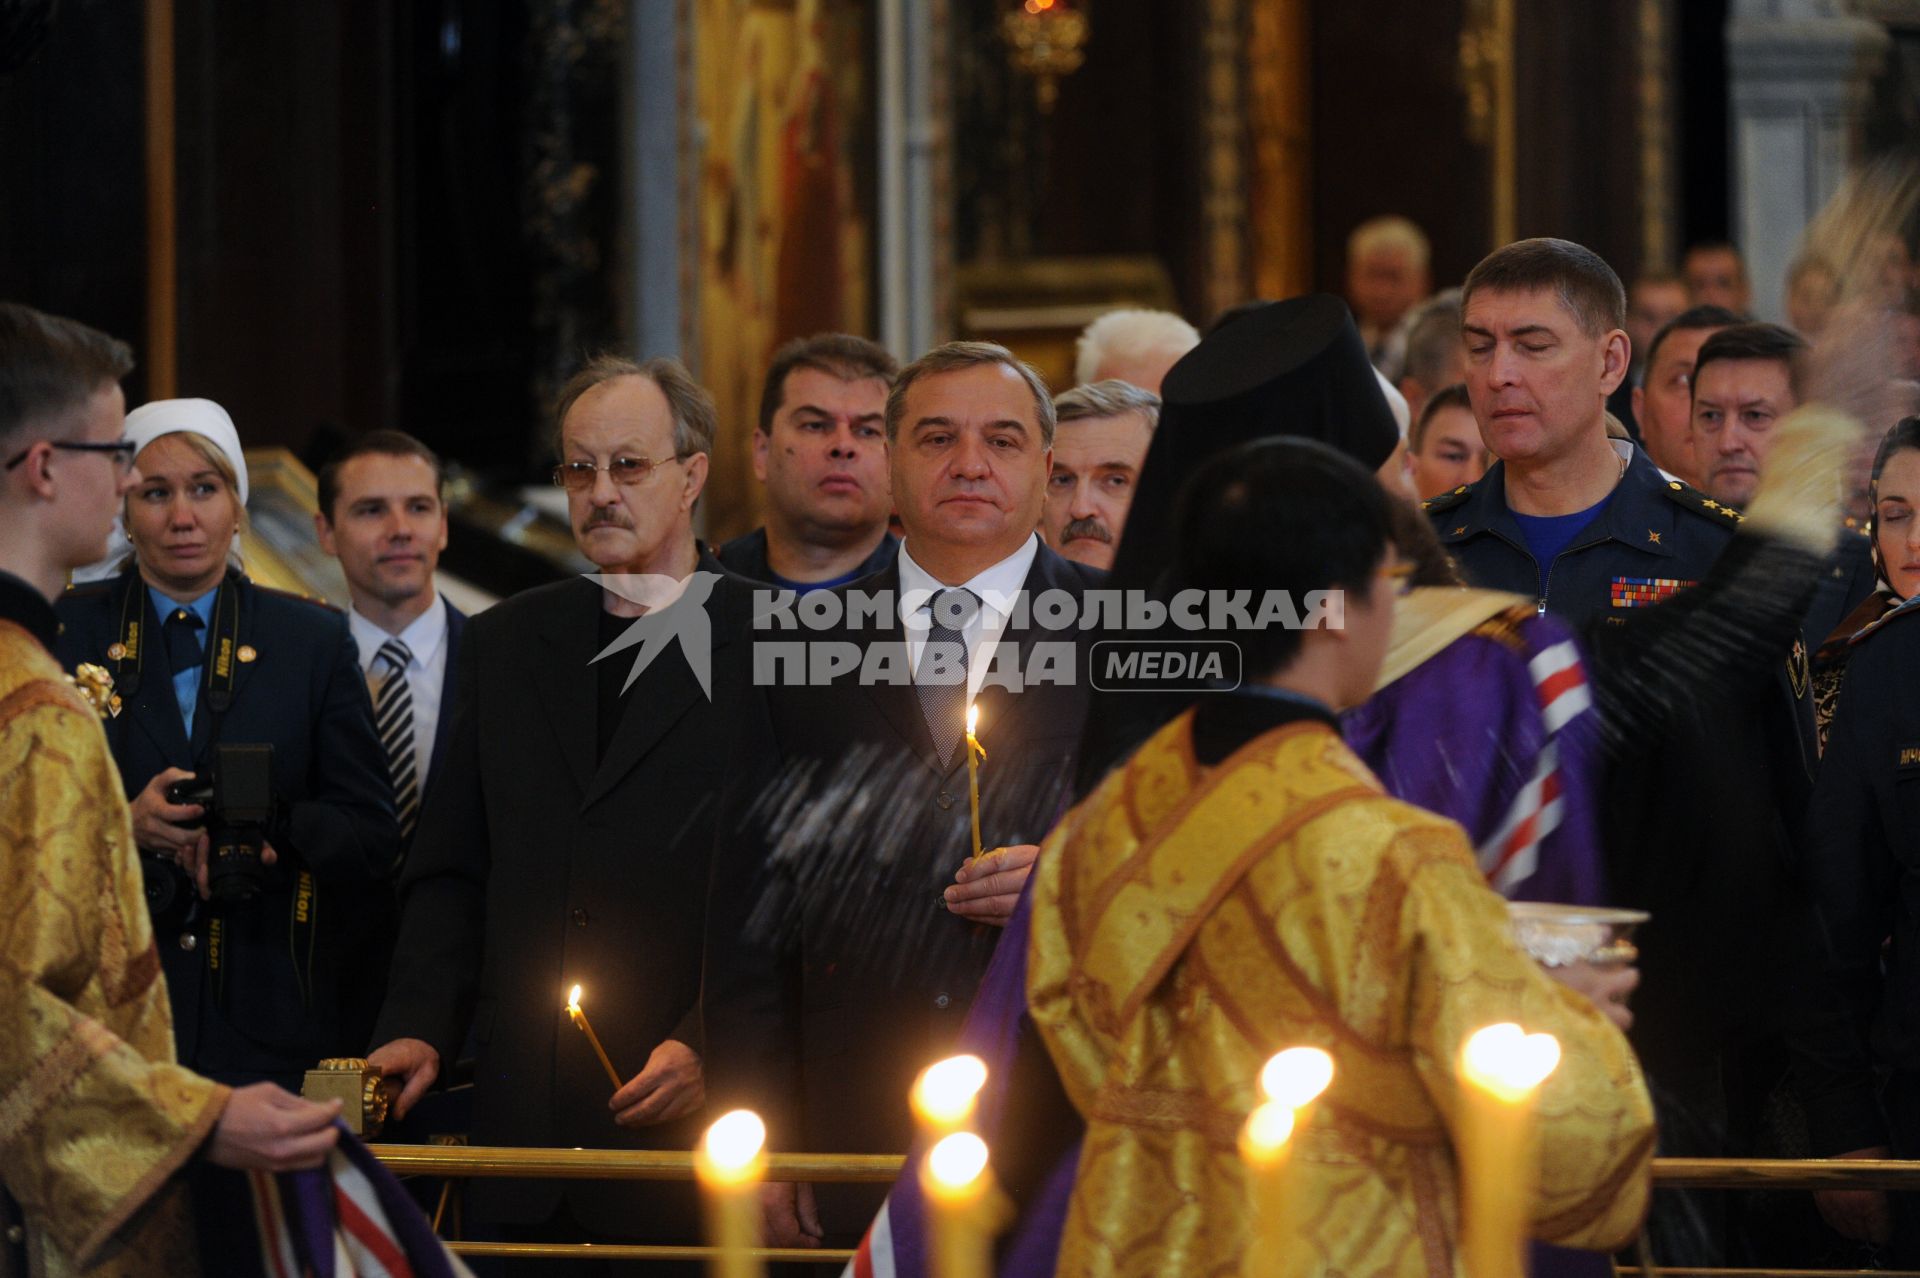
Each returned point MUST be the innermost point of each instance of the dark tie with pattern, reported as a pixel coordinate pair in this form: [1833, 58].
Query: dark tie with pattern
[393, 717]
[182, 633]
[940, 680]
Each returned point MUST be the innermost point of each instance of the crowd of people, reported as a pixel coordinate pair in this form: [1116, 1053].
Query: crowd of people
[1623, 577]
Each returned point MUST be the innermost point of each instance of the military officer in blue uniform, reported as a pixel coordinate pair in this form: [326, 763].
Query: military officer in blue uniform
[201, 656]
[1650, 538]
[1707, 710]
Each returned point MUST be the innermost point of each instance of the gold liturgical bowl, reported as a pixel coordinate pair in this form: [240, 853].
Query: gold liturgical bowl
[1561, 935]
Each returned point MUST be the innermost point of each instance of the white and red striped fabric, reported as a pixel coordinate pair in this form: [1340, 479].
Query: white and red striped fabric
[350, 1219]
[1512, 853]
[875, 1257]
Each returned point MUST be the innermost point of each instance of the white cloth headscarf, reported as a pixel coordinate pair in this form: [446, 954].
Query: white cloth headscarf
[149, 422]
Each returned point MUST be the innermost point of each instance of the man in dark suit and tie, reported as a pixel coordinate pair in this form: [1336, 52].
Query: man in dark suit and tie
[567, 834]
[383, 515]
[847, 930]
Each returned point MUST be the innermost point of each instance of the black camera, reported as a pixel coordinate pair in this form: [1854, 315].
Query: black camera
[172, 900]
[237, 799]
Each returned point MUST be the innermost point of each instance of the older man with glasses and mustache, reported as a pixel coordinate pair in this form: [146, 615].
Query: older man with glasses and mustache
[567, 835]
[1098, 446]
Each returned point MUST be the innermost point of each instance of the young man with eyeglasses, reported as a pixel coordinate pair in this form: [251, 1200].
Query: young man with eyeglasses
[567, 835]
[86, 1052]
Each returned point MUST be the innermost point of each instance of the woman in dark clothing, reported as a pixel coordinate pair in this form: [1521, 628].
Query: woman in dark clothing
[202, 658]
[1896, 562]
[1863, 865]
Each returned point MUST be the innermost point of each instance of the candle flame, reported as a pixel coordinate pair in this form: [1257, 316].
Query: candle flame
[573, 999]
[945, 1092]
[1508, 1062]
[734, 1141]
[1297, 1076]
[958, 1160]
[973, 719]
[1266, 1133]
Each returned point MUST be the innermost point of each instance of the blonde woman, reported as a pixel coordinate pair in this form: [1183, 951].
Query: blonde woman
[202, 658]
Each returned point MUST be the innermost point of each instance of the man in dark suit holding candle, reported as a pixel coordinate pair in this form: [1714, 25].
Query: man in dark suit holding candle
[848, 927]
[567, 832]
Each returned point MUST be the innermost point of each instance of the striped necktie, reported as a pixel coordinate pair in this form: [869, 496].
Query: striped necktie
[393, 718]
[940, 680]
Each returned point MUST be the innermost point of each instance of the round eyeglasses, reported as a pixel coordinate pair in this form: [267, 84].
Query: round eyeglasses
[577, 476]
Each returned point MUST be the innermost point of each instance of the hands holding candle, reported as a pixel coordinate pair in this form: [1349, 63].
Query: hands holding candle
[1501, 1070]
[671, 1085]
[988, 886]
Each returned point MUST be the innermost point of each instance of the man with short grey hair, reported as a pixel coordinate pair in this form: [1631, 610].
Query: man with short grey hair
[848, 926]
[1435, 356]
[1134, 346]
[1098, 447]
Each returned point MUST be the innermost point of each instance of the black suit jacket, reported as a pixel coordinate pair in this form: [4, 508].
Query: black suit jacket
[284, 1000]
[456, 631]
[372, 957]
[834, 970]
[536, 866]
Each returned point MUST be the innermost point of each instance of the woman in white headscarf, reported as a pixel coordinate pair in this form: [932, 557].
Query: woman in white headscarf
[255, 947]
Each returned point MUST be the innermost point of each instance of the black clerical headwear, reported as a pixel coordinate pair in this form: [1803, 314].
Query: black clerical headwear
[1296, 368]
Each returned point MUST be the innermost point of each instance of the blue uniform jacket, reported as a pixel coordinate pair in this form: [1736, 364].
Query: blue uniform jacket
[258, 991]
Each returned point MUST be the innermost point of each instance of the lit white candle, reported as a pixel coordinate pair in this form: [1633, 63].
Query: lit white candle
[579, 1016]
[962, 1205]
[974, 755]
[1502, 1068]
[945, 1094]
[1292, 1080]
[730, 1162]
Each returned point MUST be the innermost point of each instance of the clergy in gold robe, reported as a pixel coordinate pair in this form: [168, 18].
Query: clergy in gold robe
[1243, 884]
[95, 1116]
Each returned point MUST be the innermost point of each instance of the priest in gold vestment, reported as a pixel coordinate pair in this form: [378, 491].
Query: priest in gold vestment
[96, 1118]
[1243, 884]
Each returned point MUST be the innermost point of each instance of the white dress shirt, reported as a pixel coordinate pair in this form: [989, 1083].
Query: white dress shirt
[426, 639]
[997, 588]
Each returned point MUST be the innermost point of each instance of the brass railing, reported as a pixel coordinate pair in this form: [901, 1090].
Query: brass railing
[466, 1161]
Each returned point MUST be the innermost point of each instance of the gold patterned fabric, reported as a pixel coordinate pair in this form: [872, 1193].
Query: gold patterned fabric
[1189, 922]
[95, 1116]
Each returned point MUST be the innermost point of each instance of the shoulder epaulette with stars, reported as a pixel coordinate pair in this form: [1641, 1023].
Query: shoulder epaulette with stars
[1446, 501]
[315, 600]
[1687, 497]
[84, 589]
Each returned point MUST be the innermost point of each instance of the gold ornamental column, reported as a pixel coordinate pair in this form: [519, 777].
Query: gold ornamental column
[1280, 142]
[1487, 78]
[163, 266]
